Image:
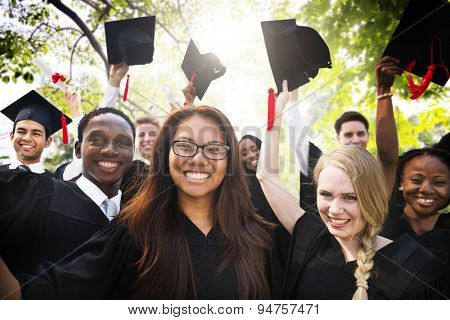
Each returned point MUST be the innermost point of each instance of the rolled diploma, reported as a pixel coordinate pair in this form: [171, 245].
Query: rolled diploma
[48, 73]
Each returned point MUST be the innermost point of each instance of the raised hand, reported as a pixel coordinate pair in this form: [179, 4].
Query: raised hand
[174, 106]
[282, 99]
[117, 72]
[190, 92]
[73, 100]
[386, 70]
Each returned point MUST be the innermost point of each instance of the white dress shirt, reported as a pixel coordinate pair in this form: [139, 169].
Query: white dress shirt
[34, 167]
[97, 195]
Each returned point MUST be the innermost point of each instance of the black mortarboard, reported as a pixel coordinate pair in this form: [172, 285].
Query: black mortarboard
[130, 40]
[295, 53]
[423, 35]
[206, 66]
[444, 143]
[33, 106]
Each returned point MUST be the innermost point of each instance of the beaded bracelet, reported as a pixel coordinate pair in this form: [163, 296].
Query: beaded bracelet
[384, 95]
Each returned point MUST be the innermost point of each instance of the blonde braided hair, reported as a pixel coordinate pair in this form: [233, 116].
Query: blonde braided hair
[370, 186]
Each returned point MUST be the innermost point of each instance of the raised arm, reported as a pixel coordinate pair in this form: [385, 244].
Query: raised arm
[298, 131]
[386, 131]
[9, 286]
[284, 205]
[118, 71]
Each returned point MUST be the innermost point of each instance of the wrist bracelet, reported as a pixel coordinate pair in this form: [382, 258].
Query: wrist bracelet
[384, 95]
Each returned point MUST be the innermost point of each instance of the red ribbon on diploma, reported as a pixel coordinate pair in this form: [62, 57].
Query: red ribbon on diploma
[57, 77]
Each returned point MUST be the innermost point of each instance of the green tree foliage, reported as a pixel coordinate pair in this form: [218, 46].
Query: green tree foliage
[357, 33]
[17, 44]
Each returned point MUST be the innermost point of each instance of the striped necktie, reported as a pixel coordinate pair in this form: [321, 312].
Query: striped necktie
[110, 209]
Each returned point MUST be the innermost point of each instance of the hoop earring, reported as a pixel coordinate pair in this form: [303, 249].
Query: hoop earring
[400, 188]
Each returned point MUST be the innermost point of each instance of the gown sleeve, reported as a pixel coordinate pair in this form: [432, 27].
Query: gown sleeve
[23, 195]
[307, 233]
[101, 268]
[393, 224]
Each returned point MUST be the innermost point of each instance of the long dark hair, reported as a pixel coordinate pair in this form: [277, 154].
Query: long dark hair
[165, 269]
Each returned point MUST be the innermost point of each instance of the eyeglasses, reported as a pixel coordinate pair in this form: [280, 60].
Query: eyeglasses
[212, 151]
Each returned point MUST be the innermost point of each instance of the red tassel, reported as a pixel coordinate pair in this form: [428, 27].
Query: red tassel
[417, 90]
[64, 129]
[125, 93]
[271, 111]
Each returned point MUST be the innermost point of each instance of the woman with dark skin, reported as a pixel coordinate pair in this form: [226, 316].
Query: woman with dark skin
[249, 148]
[191, 232]
[424, 190]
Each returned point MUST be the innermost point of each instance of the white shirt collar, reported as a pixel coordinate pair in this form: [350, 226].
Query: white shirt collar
[73, 169]
[97, 195]
[34, 167]
[138, 156]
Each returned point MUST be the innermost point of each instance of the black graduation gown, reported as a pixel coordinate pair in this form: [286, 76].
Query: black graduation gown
[308, 197]
[402, 270]
[104, 268]
[280, 236]
[59, 172]
[437, 240]
[47, 173]
[43, 219]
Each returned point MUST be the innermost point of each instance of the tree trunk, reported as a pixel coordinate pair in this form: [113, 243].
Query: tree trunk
[80, 23]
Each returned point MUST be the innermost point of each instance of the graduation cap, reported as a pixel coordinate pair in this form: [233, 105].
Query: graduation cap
[33, 106]
[207, 67]
[421, 41]
[130, 40]
[444, 143]
[296, 53]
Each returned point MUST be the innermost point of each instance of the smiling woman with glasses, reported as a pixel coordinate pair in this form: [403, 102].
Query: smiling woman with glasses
[190, 233]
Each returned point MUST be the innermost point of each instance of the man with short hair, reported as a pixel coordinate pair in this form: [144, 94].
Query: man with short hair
[35, 121]
[352, 128]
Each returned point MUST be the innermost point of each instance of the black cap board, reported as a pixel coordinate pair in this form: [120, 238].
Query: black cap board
[444, 143]
[33, 106]
[423, 36]
[130, 40]
[206, 66]
[296, 53]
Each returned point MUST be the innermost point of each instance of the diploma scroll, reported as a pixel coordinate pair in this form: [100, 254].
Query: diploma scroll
[48, 73]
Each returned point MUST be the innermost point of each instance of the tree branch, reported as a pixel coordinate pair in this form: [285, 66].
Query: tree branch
[133, 6]
[180, 12]
[87, 32]
[130, 102]
[72, 53]
[51, 27]
[91, 4]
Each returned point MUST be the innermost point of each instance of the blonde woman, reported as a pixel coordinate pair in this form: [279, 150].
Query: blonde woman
[342, 256]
